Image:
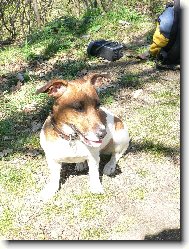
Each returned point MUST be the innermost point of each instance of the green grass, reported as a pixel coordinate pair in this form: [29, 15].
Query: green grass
[15, 179]
[130, 80]
[94, 234]
[6, 221]
[123, 224]
[142, 173]
[59, 51]
[107, 97]
[59, 35]
[138, 193]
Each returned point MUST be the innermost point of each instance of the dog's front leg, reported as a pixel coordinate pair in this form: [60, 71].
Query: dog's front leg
[95, 184]
[53, 185]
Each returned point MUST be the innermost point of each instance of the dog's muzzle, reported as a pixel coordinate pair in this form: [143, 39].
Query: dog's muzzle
[101, 133]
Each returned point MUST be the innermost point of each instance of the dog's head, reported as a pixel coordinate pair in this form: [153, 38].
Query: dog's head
[77, 107]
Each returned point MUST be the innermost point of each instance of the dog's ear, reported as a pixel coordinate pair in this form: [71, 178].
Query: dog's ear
[97, 79]
[54, 88]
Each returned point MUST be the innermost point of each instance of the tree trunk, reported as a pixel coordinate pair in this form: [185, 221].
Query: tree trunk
[36, 11]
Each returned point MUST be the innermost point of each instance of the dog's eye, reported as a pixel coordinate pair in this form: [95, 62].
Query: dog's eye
[78, 106]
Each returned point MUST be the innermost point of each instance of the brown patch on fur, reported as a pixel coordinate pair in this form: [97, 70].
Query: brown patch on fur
[50, 134]
[76, 104]
[103, 117]
[54, 88]
[79, 93]
[118, 123]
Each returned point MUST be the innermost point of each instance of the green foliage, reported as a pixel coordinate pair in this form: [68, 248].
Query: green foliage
[150, 7]
[19, 18]
[131, 15]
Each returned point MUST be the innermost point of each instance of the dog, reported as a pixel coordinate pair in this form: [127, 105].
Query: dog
[78, 130]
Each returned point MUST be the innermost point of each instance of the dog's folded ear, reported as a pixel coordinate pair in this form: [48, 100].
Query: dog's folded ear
[54, 88]
[97, 78]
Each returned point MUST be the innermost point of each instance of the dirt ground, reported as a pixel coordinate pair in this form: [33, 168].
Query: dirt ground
[142, 199]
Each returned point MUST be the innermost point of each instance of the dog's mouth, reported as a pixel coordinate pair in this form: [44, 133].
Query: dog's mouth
[91, 142]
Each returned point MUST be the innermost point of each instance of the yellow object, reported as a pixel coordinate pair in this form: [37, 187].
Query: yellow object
[159, 41]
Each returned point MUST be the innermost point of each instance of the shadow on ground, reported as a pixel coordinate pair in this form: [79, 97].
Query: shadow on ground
[69, 169]
[166, 235]
[16, 124]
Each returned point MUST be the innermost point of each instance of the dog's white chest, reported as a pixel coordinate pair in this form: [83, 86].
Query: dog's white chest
[64, 151]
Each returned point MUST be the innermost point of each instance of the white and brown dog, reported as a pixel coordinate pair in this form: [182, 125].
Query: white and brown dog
[79, 130]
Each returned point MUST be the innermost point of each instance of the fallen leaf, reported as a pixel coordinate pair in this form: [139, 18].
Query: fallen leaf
[17, 87]
[3, 80]
[5, 152]
[136, 93]
[32, 153]
[82, 72]
[122, 22]
[6, 138]
[36, 126]
[30, 108]
[20, 77]
[85, 36]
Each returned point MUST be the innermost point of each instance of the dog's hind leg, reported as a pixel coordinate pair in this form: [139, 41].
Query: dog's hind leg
[117, 148]
[111, 165]
[53, 185]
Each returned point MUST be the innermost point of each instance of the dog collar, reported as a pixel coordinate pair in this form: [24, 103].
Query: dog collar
[69, 138]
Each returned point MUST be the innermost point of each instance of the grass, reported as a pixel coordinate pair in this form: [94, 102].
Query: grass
[138, 193]
[93, 234]
[90, 205]
[6, 221]
[142, 173]
[58, 50]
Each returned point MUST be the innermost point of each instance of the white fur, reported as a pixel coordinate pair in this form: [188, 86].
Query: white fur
[67, 129]
[92, 136]
[61, 150]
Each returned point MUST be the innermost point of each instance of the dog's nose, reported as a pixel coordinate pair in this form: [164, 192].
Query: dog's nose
[101, 133]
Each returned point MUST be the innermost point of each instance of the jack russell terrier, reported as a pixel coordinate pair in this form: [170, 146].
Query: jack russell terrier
[78, 130]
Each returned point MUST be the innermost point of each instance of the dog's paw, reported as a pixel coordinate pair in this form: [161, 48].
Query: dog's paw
[81, 166]
[109, 169]
[97, 189]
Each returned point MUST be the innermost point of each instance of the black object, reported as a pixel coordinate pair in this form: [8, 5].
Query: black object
[108, 50]
[170, 54]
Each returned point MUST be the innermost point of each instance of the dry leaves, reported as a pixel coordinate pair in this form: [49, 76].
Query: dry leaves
[17, 87]
[36, 126]
[30, 108]
[32, 153]
[136, 93]
[20, 77]
[5, 152]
